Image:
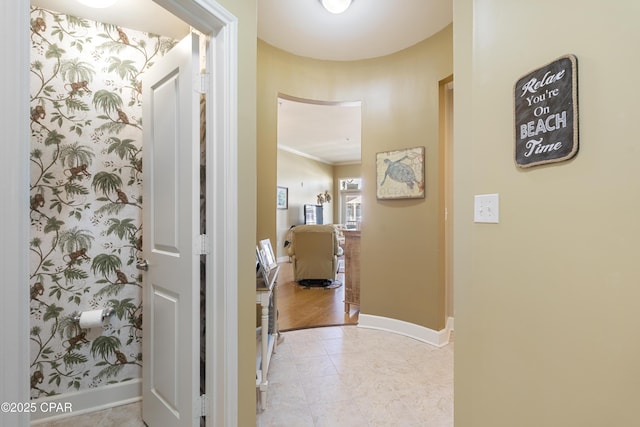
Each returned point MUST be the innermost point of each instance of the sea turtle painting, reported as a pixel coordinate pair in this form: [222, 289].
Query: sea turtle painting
[399, 172]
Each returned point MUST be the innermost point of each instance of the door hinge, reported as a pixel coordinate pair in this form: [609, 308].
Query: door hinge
[202, 82]
[204, 405]
[203, 245]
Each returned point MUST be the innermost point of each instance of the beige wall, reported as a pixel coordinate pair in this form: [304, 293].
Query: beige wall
[305, 178]
[246, 12]
[547, 301]
[400, 274]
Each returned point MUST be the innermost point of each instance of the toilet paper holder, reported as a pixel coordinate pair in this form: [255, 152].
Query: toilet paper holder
[107, 312]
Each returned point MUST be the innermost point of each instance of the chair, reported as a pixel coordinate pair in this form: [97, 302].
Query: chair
[314, 252]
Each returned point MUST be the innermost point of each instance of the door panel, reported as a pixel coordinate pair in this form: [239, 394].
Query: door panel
[165, 370]
[165, 203]
[171, 300]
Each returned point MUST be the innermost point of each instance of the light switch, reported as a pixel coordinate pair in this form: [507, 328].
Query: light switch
[486, 208]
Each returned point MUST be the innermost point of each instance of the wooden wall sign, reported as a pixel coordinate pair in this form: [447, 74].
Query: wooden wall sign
[546, 113]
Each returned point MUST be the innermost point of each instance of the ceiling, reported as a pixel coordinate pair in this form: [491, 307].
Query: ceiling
[369, 28]
[142, 15]
[326, 132]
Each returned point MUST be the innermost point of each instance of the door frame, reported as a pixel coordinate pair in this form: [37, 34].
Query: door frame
[209, 18]
[445, 136]
[14, 224]
[213, 20]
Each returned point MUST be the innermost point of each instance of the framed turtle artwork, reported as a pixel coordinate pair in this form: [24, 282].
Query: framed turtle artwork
[400, 174]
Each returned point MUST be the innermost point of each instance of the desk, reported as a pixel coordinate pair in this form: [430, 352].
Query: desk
[267, 333]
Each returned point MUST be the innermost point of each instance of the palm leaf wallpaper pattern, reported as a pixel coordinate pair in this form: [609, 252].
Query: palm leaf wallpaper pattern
[86, 199]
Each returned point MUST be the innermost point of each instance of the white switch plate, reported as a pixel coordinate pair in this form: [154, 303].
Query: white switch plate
[486, 208]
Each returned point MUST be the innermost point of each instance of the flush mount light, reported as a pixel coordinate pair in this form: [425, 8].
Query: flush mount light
[336, 6]
[98, 4]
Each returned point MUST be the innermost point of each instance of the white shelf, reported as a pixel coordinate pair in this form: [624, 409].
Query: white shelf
[266, 342]
[262, 371]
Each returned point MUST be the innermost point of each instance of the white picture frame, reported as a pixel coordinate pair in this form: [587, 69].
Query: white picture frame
[269, 256]
[282, 197]
[400, 174]
[262, 268]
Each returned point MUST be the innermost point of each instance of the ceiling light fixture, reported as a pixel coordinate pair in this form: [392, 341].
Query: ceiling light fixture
[98, 4]
[336, 6]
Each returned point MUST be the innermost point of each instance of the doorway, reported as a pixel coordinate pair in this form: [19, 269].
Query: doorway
[446, 194]
[69, 284]
[318, 148]
[350, 202]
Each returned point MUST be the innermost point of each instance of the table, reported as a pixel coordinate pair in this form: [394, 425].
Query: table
[351, 268]
[267, 333]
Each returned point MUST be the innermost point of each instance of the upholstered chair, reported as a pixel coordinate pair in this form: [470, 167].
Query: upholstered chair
[314, 252]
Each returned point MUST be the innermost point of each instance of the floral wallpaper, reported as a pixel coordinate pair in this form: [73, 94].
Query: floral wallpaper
[85, 199]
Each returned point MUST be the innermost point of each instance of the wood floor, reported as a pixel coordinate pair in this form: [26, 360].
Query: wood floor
[301, 307]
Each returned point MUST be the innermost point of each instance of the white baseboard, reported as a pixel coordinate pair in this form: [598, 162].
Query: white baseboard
[86, 401]
[283, 259]
[420, 333]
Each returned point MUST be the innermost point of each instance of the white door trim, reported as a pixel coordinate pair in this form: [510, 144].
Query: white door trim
[14, 224]
[210, 18]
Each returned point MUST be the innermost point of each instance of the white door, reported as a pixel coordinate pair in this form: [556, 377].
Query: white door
[171, 296]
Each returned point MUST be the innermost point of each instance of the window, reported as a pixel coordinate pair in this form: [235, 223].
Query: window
[351, 202]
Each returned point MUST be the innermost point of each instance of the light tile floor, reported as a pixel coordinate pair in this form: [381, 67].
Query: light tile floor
[350, 376]
[119, 416]
[342, 376]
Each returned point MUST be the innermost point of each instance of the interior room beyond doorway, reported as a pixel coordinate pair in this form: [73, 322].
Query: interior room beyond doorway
[319, 150]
